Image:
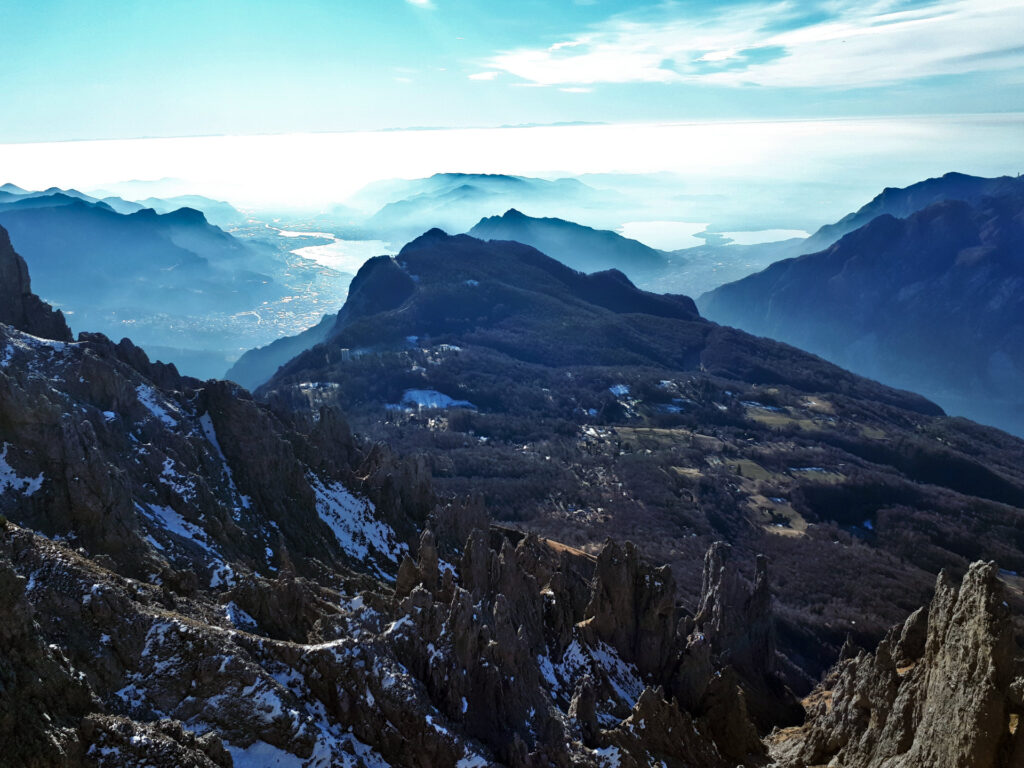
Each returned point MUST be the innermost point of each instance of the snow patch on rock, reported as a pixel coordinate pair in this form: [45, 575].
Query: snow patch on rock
[12, 482]
[354, 523]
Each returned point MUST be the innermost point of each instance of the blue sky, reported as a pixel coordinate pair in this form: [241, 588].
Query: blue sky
[116, 69]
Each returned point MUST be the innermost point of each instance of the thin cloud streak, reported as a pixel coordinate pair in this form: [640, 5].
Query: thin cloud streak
[860, 45]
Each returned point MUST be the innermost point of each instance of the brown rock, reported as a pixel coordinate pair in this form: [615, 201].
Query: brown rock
[948, 701]
[657, 732]
[632, 607]
[739, 624]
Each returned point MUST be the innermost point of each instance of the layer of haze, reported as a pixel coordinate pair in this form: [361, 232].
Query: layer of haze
[735, 175]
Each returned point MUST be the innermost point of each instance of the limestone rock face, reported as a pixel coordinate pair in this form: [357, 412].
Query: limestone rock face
[734, 618]
[942, 689]
[18, 305]
[167, 475]
[657, 732]
[737, 622]
[113, 742]
[632, 607]
[40, 698]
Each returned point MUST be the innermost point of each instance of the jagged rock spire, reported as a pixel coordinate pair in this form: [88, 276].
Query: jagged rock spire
[737, 620]
[941, 689]
[632, 607]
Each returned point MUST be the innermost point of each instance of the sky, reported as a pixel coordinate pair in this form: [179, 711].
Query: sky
[119, 69]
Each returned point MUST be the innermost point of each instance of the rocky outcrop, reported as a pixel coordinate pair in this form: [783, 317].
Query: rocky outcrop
[633, 607]
[602, 659]
[41, 699]
[657, 732]
[942, 689]
[737, 621]
[114, 742]
[169, 476]
[18, 305]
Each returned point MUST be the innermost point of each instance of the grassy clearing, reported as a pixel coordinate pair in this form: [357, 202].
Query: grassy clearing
[780, 420]
[751, 470]
[819, 405]
[827, 477]
[687, 471]
[777, 516]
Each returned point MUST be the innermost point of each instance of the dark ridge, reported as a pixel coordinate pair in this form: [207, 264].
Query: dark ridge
[20, 307]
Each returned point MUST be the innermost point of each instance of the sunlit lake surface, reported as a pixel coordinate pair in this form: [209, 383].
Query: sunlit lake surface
[756, 237]
[666, 235]
[340, 255]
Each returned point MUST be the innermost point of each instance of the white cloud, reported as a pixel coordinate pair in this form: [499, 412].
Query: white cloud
[861, 44]
[576, 89]
[421, 3]
[484, 75]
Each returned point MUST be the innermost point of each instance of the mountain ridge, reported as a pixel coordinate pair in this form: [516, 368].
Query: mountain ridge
[163, 276]
[580, 247]
[925, 302]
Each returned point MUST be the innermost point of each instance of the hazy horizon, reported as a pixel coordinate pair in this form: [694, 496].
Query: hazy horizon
[716, 171]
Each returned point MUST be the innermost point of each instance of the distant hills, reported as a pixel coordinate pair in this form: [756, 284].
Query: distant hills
[402, 209]
[933, 301]
[143, 273]
[902, 202]
[575, 245]
[217, 212]
[690, 270]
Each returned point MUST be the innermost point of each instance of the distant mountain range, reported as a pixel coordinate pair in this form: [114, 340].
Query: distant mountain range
[402, 209]
[902, 202]
[933, 301]
[217, 212]
[691, 270]
[143, 272]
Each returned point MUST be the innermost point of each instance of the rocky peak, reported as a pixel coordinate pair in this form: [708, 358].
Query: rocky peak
[632, 607]
[18, 305]
[379, 285]
[738, 623]
[944, 688]
[736, 619]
